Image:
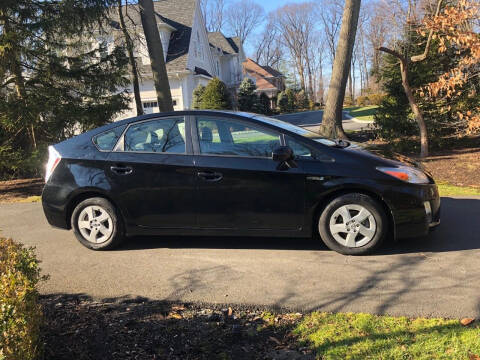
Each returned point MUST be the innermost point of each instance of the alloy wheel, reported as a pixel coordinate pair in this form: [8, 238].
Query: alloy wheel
[352, 225]
[95, 224]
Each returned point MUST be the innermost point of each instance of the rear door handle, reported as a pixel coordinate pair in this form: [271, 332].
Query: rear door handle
[210, 176]
[121, 170]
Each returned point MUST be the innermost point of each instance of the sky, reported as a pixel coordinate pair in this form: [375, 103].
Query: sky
[270, 5]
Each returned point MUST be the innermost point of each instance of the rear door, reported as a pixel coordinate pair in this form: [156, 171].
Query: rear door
[239, 186]
[152, 173]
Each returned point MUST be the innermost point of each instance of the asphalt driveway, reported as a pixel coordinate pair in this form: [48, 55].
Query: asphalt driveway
[314, 118]
[436, 276]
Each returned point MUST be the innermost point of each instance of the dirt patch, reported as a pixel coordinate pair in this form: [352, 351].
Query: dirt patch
[457, 167]
[77, 327]
[17, 190]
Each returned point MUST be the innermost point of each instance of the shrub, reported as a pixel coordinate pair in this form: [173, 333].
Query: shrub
[301, 100]
[197, 96]
[263, 104]
[16, 163]
[247, 99]
[282, 102]
[375, 99]
[20, 314]
[216, 96]
[363, 100]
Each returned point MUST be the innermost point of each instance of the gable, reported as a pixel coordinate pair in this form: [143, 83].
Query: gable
[177, 14]
[199, 53]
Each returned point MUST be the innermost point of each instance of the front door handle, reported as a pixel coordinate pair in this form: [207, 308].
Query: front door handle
[210, 176]
[121, 170]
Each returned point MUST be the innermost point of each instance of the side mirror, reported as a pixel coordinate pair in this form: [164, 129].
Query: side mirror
[285, 157]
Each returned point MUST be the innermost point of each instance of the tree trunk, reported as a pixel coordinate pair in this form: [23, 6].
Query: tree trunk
[415, 109]
[155, 51]
[332, 117]
[411, 100]
[131, 58]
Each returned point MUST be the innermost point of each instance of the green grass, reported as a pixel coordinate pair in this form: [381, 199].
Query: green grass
[362, 113]
[453, 190]
[364, 336]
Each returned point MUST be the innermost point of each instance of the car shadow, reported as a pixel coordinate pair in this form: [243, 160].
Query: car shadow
[459, 230]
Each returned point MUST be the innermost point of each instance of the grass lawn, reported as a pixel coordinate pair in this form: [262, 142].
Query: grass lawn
[365, 336]
[446, 189]
[362, 113]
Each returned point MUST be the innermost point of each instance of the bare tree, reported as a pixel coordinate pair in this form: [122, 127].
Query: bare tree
[296, 24]
[268, 47]
[242, 17]
[131, 57]
[330, 12]
[213, 13]
[332, 117]
[155, 51]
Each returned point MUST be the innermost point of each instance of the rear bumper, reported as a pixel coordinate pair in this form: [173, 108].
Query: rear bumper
[413, 218]
[53, 208]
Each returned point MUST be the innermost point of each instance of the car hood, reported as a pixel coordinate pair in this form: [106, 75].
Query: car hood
[383, 154]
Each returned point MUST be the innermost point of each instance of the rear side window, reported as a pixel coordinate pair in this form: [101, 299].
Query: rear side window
[106, 141]
[159, 136]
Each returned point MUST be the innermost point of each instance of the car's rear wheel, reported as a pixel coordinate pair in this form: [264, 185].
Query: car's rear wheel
[96, 224]
[353, 224]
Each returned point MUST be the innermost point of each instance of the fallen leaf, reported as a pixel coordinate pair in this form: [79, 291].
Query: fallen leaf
[178, 307]
[174, 316]
[473, 357]
[466, 321]
[230, 311]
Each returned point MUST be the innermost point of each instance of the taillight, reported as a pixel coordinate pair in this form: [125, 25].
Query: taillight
[53, 160]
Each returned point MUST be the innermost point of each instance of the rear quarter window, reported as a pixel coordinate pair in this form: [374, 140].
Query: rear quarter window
[106, 141]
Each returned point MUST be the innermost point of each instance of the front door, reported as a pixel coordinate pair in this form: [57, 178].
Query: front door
[238, 184]
[153, 174]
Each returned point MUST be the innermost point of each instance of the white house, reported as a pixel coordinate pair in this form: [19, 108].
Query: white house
[193, 56]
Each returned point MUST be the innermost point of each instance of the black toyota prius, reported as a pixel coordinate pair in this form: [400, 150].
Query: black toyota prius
[232, 174]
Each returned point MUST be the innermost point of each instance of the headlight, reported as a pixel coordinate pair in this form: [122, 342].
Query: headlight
[406, 173]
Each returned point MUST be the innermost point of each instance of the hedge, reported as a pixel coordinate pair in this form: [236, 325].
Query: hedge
[20, 314]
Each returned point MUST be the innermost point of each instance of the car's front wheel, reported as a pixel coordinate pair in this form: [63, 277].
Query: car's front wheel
[353, 224]
[96, 224]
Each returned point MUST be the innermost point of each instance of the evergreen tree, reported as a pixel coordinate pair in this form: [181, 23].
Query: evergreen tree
[282, 102]
[55, 78]
[290, 99]
[197, 96]
[247, 99]
[394, 118]
[216, 96]
[264, 104]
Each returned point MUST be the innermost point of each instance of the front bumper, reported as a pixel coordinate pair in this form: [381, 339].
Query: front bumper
[411, 215]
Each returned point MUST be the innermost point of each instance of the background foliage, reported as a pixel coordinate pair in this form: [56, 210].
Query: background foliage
[57, 77]
[20, 315]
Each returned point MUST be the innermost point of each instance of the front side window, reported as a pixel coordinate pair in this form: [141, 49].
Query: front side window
[159, 136]
[231, 137]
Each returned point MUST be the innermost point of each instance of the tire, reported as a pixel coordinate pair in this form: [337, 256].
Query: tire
[353, 224]
[97, 225]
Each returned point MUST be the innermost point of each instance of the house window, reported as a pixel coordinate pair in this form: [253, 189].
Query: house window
[150, 104]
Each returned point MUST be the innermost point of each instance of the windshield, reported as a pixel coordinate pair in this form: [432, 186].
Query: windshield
[296, 129]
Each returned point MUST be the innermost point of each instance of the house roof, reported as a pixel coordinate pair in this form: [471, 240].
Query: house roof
[226, 44]
[264, 75]
[177, 14]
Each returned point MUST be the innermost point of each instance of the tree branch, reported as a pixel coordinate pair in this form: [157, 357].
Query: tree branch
[423, 56]
[394, 53]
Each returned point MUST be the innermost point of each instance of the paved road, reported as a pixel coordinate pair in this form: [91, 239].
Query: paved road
[314, 118]
[437, 276]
